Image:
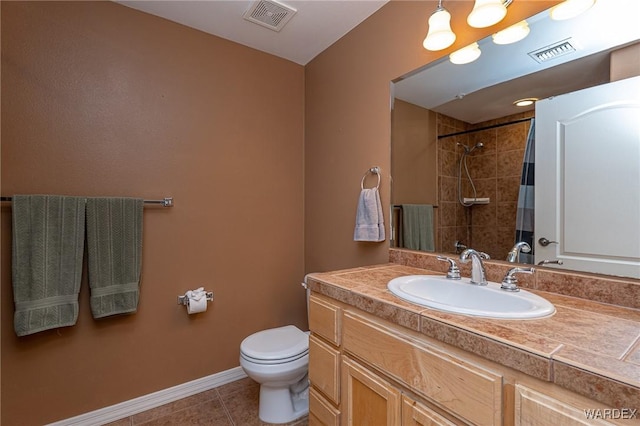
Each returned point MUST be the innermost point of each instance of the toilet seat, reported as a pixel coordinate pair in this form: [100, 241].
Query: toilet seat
[275, 346]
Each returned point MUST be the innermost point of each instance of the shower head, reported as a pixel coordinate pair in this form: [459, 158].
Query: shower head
[476, 146]
[468, 150]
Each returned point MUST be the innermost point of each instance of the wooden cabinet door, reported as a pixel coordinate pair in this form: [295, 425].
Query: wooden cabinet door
[367, 399]
[533, 408]
[417, 414]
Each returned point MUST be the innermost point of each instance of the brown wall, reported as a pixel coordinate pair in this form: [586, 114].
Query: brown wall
[100, 99]
[413, 154]
[347, 125]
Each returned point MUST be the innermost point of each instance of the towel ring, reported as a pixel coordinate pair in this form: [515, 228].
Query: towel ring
[373, 170]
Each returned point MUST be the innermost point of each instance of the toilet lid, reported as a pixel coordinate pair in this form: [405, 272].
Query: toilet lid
[276, 344]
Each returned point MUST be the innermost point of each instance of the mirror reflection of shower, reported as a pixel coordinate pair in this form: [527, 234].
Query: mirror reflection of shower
[463, 165]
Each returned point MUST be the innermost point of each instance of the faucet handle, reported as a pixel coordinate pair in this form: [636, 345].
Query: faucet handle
[454, 272]
[510, 282]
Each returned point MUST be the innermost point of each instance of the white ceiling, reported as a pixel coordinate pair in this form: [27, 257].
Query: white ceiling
[316, 25]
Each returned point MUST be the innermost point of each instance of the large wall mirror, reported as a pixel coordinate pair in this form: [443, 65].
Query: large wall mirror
[460, 147]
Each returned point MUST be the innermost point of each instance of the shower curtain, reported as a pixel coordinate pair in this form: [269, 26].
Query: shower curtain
[526, 197]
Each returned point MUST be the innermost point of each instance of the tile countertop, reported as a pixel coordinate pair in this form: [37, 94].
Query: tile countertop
[589, 347]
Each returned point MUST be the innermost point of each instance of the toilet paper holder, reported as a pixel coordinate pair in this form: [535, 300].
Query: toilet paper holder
[184, 300]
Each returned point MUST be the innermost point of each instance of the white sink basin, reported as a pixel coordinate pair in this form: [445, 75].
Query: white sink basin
[461, 297]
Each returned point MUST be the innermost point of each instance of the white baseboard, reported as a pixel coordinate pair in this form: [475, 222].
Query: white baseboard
[152, 400]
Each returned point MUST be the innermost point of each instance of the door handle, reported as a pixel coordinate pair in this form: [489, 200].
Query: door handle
[545, 242]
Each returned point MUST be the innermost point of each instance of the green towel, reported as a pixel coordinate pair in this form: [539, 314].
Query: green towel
[417, 227]
[114, 251]
[48, 244]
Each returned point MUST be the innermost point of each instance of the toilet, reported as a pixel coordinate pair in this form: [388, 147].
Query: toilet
[278, 359]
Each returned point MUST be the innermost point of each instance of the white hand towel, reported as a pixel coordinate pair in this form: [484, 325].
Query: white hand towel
[369, 218]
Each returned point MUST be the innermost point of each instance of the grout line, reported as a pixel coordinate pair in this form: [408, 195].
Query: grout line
[635, 344]
[225, 408]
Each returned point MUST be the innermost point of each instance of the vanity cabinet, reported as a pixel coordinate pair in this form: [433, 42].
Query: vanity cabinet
[367, 371]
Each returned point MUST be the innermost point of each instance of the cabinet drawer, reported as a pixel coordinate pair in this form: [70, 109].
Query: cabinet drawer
[416, 414]
[536, 409]
[324, 319]
[321, 413]
[324, 368]
[471, 392]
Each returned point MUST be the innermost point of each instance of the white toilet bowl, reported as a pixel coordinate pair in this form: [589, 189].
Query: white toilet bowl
[278, 359]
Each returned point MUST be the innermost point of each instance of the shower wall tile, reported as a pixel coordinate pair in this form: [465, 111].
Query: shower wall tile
[508, 189]
[448, 188]
[482, 166]
[446, 121]
[506, 214]
[484, 215]
[487, 137]
[447, 163]
[461, 215]
[447, 212]
[450, 235]
[512, 137]
[486, 188]
[485, 237]
[510, 163]
[505, 239]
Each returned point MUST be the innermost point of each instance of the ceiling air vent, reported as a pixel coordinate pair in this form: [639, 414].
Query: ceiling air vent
[270, 14]
[551, 52]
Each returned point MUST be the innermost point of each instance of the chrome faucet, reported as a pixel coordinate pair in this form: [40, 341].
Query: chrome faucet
[478, 274]
[454, 272]
[514, 254]
[510, 282]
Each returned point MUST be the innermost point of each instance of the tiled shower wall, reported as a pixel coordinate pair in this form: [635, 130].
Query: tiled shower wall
[495, 170]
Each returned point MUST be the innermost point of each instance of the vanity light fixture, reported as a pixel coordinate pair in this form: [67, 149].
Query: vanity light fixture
[525, 102]
[465, 55]
[440, 35]
[570, 9]
[486, 13]
[512, 34]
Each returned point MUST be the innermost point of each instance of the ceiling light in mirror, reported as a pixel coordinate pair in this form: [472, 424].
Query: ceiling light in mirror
[525, 102]
[512, 34]
[570, 8]
[440, 35]
[465, 55]
[486, 13]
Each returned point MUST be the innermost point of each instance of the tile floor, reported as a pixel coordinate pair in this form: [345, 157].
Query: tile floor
[233, 404]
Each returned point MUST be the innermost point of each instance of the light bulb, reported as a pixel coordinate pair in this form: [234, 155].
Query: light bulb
[465, 55]
[512, 34]
[486, 13]
[570, 8]
[440, 35]
[525, 102]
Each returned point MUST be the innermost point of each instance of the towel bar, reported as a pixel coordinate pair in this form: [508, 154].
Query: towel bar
[373, 170]
[166, 202]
